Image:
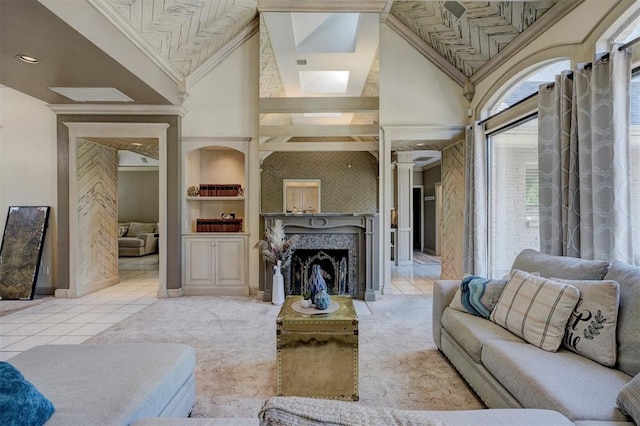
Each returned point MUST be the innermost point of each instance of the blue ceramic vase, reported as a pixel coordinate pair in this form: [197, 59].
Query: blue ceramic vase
[322, 300]
[316, 282]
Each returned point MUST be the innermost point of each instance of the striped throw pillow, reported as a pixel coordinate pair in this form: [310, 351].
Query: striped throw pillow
[629, 399]
[536, 309]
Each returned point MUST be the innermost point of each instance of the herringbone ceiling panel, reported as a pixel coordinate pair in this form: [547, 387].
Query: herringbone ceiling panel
[187, 32]
[270, 82]
[472, 40]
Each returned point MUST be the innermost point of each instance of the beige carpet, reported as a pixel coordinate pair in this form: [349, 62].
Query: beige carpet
[234, 339]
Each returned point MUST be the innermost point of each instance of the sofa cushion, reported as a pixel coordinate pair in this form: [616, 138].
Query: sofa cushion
[560, 266]
[153, 379]
[471, 331]
[130, 242]
[629, 399]
[564, 381]
[628, 278]
[591, 330]
[536, 309]
[138, 228]
[20, 402]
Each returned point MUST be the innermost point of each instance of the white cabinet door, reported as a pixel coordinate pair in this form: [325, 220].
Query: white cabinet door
[229, 262]
[199, 264]
[215, 265]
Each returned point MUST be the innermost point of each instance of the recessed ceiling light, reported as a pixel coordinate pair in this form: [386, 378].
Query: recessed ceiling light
[136, 144]
[420, 144]
[28, 59]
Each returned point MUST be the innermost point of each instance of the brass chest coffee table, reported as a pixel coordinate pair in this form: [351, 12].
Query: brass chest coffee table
[317, 355]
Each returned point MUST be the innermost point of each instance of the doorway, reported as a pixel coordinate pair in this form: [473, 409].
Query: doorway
[418, 218]
[80, 256]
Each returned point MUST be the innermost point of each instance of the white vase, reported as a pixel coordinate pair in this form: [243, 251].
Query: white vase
[277, 292]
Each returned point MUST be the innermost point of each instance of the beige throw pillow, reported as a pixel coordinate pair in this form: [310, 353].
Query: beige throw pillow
[591, 330]
[536, 309]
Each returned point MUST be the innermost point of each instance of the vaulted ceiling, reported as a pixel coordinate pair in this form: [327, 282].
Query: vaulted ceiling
[466, 34]
[185, 38]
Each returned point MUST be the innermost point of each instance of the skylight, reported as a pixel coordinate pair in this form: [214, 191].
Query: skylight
[325, 32]
[315, 82]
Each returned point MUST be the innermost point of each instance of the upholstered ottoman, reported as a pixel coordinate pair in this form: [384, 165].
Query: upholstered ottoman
[112, 384]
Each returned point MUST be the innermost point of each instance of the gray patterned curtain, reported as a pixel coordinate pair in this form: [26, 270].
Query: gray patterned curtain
[475, 212]
[583, 148]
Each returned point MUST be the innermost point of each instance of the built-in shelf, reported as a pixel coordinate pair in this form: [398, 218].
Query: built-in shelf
[235, 198]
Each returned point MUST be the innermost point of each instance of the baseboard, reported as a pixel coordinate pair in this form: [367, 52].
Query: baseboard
[168, 293]
[217, 291]
[86, 289]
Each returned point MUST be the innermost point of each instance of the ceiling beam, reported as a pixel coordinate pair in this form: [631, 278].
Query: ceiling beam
[320, 130]
[427, 51]
[325, 104]
[318, 146]
[321, 6]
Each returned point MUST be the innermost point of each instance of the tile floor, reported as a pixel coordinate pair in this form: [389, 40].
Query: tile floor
[73, 321]
[415, 279]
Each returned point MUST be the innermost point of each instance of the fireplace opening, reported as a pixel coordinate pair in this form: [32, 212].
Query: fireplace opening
[334, 264]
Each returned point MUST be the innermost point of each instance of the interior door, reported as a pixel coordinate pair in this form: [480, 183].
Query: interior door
[417, 219]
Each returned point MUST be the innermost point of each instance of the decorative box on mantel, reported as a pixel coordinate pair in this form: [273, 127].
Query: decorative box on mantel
[333, 236]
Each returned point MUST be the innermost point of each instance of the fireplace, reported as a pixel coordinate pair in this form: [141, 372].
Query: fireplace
[344, 245]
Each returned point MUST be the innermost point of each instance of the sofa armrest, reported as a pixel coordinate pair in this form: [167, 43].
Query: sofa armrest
[150, 242]
[443, 292]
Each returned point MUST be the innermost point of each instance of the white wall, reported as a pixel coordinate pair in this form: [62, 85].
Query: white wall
[28, 165]
[413, 91]
[225, 101]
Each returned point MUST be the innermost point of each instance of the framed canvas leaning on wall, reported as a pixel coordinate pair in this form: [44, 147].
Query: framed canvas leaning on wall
[21, 251]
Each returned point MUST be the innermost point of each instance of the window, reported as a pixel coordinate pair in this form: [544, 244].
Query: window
[529, 85]
[513, 194]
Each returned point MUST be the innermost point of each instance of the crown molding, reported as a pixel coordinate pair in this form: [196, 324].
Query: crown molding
[95, 109]
[238, 40]
[375, 6]
[557, 12]
[427, 51]
[119, 21]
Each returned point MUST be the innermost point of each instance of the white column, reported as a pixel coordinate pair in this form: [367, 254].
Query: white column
[386, 192]
[404, 185]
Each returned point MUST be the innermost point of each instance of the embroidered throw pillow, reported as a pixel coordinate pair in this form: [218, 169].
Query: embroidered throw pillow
[591, 330]
[536, 309]
[477, 296]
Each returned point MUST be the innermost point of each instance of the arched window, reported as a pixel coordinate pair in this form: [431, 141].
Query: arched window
[528, 85]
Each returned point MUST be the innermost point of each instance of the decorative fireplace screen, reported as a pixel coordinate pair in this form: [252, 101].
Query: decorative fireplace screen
[334, 264]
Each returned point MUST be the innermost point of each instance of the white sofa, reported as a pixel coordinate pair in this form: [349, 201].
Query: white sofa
[111, 384]
[506, 371]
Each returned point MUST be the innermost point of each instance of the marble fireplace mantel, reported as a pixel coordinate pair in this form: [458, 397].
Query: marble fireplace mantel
[362, 226]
